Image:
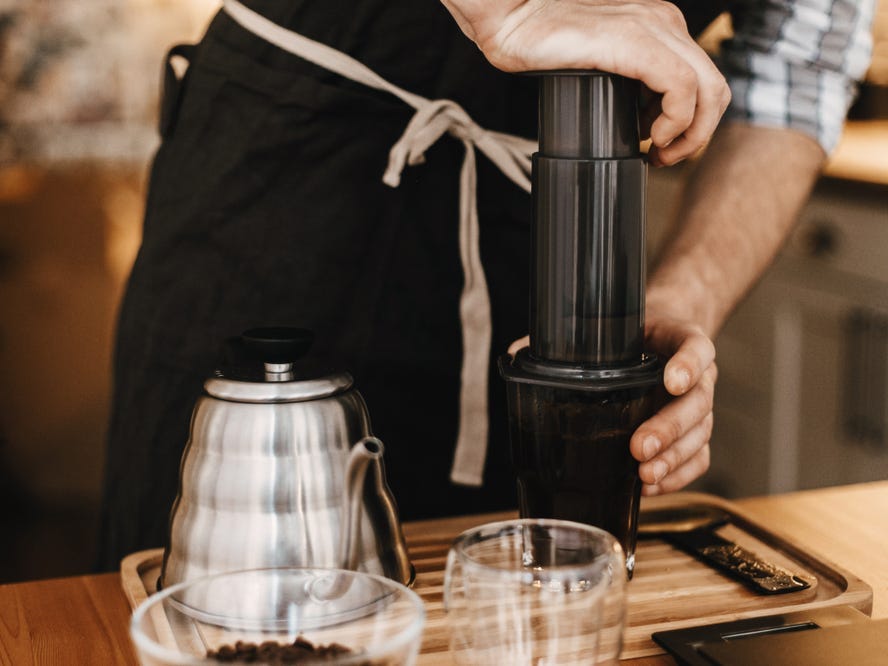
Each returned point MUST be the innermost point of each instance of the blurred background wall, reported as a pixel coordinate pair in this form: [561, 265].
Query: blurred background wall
[79, 84]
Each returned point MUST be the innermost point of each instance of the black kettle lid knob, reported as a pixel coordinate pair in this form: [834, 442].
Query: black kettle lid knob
[277, 344]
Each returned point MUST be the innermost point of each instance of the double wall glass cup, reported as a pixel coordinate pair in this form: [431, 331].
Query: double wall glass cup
[535, 592]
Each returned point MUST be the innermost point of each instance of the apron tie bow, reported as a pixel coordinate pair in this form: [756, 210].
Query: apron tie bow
[430, 122]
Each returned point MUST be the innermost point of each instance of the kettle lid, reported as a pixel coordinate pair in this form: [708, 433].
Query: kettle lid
[268, 365]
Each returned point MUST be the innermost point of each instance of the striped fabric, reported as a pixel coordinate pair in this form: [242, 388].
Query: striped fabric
[796, 63]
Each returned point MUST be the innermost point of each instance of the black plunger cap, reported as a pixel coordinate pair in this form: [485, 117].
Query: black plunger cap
[588, 115]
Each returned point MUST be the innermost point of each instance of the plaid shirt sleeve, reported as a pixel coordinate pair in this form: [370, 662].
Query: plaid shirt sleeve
[796, 63]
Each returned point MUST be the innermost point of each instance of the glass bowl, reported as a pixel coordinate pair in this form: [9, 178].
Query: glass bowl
[328, 616]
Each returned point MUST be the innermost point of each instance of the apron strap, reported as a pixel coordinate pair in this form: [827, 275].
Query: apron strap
[171, 93]
[433, 118]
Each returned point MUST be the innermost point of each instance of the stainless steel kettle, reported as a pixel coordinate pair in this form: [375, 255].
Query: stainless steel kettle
[280, 469]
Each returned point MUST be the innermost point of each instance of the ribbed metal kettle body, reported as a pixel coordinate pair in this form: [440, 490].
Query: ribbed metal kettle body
[263, 485]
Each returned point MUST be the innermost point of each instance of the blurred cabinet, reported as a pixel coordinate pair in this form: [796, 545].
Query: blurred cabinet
[802, 396]
[829, 312]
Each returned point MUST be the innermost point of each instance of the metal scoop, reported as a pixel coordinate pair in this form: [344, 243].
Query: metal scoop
[692, 528]
[661, 522]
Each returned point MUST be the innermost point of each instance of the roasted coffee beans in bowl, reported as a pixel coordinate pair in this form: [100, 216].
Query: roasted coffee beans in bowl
[281, 616]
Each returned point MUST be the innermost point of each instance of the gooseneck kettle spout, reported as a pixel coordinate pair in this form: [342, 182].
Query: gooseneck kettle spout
[366, 452]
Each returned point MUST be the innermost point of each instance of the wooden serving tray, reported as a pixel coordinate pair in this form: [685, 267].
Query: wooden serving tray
[670, 588]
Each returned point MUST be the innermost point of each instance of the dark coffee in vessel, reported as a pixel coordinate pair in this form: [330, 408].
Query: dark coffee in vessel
[570, 451]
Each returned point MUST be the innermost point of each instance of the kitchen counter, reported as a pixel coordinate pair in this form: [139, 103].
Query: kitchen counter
[862, 153]
[84, 619]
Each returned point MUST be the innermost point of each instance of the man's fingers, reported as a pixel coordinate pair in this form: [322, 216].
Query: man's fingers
[668, 74]
[519, 344]
[694, 468]
[674, 420]
[655, 470]
[648, 113]
[689, 366]
[692, 353]
[713, 97]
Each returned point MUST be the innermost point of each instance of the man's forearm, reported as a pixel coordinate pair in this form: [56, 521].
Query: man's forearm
[737, 208]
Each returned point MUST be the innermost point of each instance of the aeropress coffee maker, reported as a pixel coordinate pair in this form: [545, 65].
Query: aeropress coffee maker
[583, 386]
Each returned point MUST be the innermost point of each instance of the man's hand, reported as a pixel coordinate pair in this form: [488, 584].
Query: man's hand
[672, 446]
[645, 40]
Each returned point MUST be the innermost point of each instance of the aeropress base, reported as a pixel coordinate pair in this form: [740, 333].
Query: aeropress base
[570, 430]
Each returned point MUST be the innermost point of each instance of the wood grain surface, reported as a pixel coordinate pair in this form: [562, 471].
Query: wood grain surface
[670, 589]
[845, 524]
[84, 620]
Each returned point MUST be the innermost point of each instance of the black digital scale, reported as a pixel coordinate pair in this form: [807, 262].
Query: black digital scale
[820, 637]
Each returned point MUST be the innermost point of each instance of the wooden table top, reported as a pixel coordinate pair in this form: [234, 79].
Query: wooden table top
[84, 619]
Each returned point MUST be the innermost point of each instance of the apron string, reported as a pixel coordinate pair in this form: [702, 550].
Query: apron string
[433, 118]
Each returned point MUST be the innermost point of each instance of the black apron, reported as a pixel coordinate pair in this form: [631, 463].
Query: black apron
[266, 207]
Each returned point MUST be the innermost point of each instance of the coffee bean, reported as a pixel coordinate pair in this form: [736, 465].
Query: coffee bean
[272, 652]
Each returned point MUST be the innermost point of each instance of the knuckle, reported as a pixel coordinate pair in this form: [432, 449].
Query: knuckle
[637, 24]
[721, 91]
[660, 135]
[673, 458]
[692, 469]
[666, 130]
[686, 77]
[710, 345]
[710, 394]
[672, 157]
[726, 94]
[704, 458]
[697, 131]
[704, 398]
[673, 430]
[716, 88]
[708, 424]
[707, 383]
[696, 136]
[672, 15]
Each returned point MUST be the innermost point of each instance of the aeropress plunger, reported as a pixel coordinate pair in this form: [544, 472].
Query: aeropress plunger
[584, 385]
